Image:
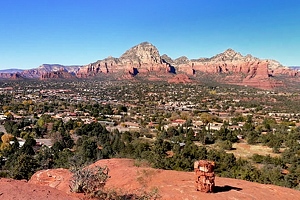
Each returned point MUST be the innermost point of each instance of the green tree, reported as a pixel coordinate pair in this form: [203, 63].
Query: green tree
[23, 167]
[45, 157]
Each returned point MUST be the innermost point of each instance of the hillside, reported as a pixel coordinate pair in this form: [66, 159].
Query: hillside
[127, 177]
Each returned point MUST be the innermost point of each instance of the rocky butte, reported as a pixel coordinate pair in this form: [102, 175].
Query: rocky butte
[140, 60]
[144, 62]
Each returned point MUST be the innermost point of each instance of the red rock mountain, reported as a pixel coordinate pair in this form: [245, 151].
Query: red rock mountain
[140, 59]
[130, 179]
[41, 72]
[60, 74]
[11, 76]
[144, 61]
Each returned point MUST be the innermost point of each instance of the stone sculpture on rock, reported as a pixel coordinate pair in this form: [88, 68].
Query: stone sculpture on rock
[204, 175]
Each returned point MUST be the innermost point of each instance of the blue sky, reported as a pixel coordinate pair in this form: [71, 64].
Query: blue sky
[68, 32]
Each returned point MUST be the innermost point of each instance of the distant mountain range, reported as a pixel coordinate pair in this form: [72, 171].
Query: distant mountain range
[11, 70]
[144, 62]
[295, 67]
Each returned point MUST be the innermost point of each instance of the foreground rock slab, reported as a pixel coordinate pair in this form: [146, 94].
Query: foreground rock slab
[22, 190]
[180, 185]
[132, 177]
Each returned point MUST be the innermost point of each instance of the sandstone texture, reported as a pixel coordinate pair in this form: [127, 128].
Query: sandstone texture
[132, 178]
[140, 60]
[17, 190]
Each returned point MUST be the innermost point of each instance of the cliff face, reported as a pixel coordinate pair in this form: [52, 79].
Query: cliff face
[61, 74]
[140, 60]
[144, 53]
[11, 76]
[232, 62]
[144, 61]
[238, 69]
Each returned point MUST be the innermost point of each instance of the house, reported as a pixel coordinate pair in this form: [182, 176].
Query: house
[152, 125]
[119, 128]
[132, 126]
[234, 127]
[178, 122]
[214, 126]
[106, 123]
[198, 124]
[2, 117]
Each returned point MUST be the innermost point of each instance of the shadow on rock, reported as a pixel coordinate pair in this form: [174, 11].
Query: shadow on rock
[225, 188]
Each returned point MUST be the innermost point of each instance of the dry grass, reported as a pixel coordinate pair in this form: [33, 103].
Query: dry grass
[244, 150]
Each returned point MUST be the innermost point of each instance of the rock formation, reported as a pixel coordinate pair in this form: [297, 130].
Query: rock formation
[61, 74]
[42, 70]
[131, 179]
[180, 78]
[144, 61]
[15, 189]
[238, 69]
[11, 76]
[144, 53]
[140, 59]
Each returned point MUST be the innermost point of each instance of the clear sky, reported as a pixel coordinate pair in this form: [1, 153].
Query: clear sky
[68, 32]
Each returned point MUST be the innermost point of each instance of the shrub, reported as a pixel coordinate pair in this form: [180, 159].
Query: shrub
[226, 145]
[89, 180]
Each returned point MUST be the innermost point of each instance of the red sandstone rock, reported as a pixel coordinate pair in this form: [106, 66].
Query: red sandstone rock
[61, 74]
[144, 61]
[15, 190]
[12, 76]
[55, 178]
[180, 78]
[173, 185]
[186, 68]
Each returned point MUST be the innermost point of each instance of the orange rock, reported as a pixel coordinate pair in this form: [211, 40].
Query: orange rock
[180, 78]
[131, 179]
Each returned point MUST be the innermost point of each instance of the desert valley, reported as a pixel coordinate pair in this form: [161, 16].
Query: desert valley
[142, 120]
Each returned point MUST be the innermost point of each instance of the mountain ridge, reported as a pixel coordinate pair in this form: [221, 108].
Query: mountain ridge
[13, 70]
[144, 59]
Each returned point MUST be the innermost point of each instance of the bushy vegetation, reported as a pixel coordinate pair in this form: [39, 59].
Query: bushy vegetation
[80, 141]
[90, 181]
